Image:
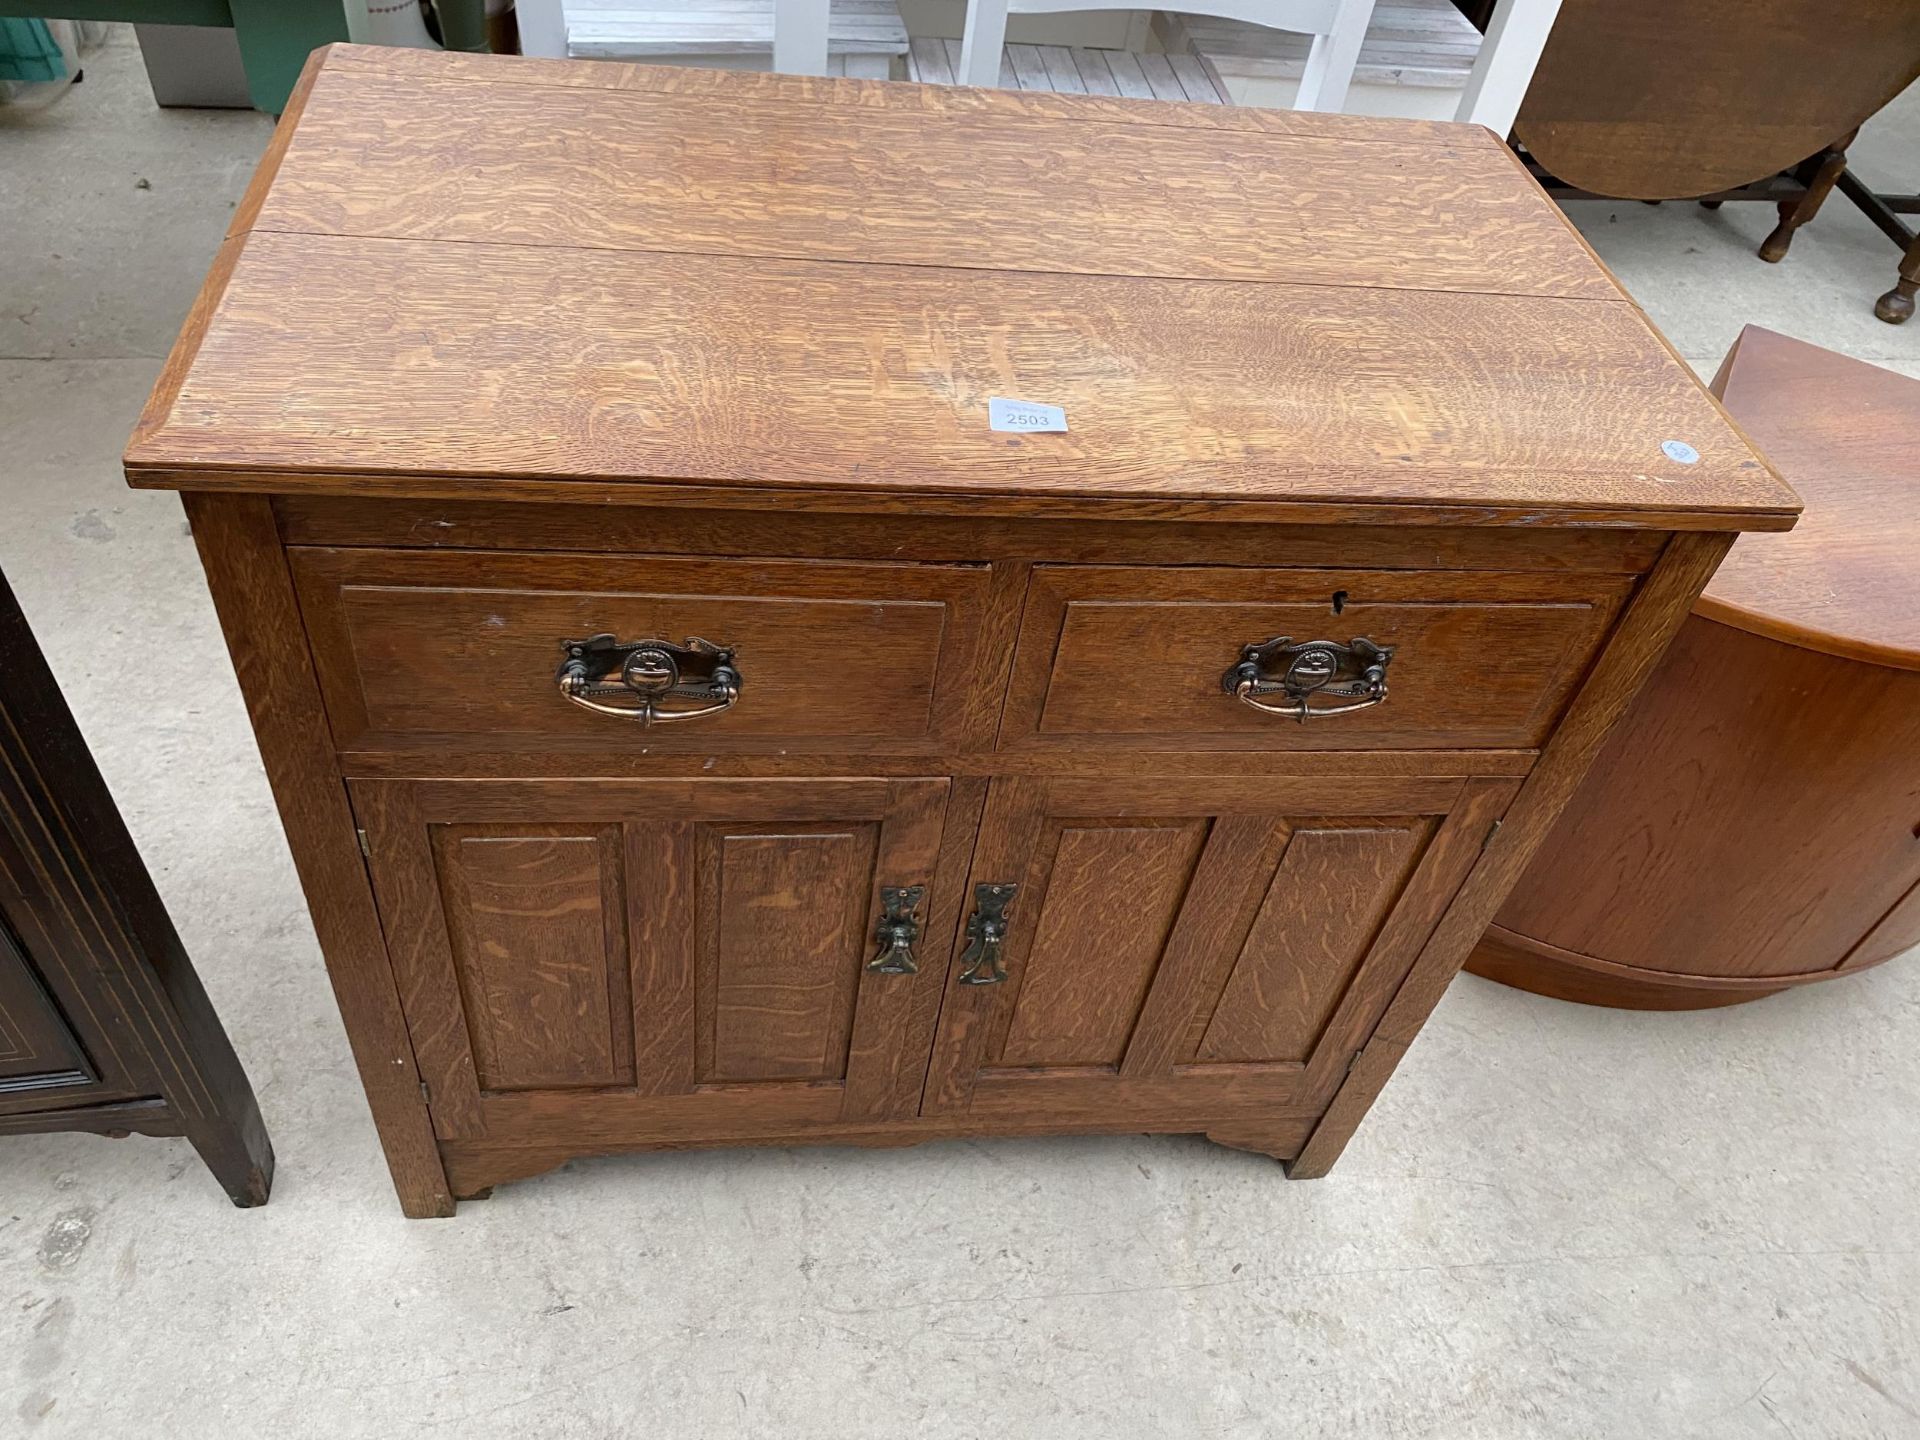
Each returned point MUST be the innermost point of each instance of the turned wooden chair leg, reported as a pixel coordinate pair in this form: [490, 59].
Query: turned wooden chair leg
[1826, 170]
[1896, 306]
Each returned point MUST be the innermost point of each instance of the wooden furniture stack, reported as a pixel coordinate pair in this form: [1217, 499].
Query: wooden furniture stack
[696, 725]
[1755, 822]
[104, 1026]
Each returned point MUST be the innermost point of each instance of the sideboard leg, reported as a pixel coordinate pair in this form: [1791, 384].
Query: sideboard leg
[239, 1154]
[1271, 1146]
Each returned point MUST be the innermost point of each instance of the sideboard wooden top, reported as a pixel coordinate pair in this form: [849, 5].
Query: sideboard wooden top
[480, 276]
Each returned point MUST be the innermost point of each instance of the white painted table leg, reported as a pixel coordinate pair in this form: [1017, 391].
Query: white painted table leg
[1508, 57]
[800, 36]
[981, 42]
[543, 28]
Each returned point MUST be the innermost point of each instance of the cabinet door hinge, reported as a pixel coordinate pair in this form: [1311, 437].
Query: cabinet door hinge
[426, 1095]
[1483, 844]
[365, 848]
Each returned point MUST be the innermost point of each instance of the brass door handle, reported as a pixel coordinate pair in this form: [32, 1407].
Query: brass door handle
[898, 928]
[640, 679]
[1353, 675]
[980, 962]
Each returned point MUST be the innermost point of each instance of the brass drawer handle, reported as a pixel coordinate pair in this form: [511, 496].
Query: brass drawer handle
[898, 928]
[638, 680]
[1355, 673]
[980, 962]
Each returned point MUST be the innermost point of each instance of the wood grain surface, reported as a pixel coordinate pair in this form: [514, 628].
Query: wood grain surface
[331, 354]
[528, 274]
[985, 189]
[525, 348]
[1755, 822]
[1135, 657]
[1655, 614]
[1846, 434]
[253, 594]
[442, 650]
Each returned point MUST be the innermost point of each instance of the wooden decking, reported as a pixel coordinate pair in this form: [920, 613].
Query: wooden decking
[1075, 71]
[863, 36]
[1426, 43]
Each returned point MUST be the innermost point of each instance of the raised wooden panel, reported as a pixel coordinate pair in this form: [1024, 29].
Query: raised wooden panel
[37, 1049]
[1135, 656]
[539, 939]
[782, 937]
[1322, 912]
[1195, 930]
[421, 650]
[691, 945]
[1100, 919]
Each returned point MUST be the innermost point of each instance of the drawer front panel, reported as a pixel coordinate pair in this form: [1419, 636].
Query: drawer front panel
[429, 650]
[1136, 656]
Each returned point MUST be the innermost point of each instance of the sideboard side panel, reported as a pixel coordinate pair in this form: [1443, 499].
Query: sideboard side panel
[253, 593]
[1652, 618]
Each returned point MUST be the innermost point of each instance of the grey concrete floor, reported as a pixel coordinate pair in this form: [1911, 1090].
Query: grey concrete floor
[1559, 1222]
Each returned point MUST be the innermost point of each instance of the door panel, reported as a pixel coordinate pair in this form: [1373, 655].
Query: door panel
[645, 952]
[538, 936]
[782, 911]
[1198, 936]
[38, 1052]
[1095, 947]
[1326, 904]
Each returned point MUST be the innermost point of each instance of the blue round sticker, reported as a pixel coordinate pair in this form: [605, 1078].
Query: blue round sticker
[1680, 452]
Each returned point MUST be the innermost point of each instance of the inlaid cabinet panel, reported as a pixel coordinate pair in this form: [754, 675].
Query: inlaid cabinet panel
[38, 1052]
[1198, 936]
[654, 950]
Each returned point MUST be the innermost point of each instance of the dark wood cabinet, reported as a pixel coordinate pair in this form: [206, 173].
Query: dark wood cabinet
[695, 724]
[104, 1026]
[39, 1053]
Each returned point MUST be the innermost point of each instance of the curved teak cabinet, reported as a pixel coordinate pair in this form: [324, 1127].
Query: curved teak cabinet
[695, 725]
[1755, 822]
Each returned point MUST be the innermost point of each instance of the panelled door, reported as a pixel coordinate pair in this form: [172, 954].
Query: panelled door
[647, 958]
[39, 1054]
[1178, 946]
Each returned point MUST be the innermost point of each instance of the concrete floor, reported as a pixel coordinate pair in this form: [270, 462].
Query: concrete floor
[1559, 1222]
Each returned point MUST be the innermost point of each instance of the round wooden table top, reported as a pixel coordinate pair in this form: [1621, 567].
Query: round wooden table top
[1846, 435]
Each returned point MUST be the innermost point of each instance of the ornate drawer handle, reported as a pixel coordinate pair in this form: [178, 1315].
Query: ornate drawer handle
[635, 680]
[980, 962]
[1355, 673]
[899, 927]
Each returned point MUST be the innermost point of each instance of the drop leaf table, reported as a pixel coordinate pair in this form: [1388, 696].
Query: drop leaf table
[697, 724]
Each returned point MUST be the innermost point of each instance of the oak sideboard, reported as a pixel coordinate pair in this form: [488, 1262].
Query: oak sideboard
[702, 716]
